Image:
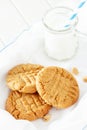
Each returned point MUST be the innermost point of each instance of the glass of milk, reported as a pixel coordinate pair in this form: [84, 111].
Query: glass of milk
[61, 42]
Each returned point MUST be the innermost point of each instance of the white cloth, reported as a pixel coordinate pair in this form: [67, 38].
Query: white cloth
[77, 120]
[29, 48]
[9, 123]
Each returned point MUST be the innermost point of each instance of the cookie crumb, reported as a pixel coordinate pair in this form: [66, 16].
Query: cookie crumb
[46, 117]
[85, 79]
[75, 71]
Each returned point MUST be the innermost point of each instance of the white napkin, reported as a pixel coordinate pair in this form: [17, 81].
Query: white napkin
[77, 120]
[7, 122]
[29, 47]
[11, 22]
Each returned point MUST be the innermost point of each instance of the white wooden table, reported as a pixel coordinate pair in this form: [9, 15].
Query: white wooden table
[16, 15]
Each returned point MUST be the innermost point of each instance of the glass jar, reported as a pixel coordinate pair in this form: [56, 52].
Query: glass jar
[60, 42]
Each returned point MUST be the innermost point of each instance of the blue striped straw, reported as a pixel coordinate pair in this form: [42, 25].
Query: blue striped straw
[74, 15]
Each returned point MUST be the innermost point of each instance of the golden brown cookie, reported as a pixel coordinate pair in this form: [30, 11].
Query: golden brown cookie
[26, 106]
[57, 87]
[23, 77]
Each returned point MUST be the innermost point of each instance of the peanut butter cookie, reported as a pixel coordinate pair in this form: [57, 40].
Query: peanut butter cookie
[23, 77]
[57, 87]
[26, 106]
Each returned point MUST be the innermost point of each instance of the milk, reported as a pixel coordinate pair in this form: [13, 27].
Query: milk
[60, 43]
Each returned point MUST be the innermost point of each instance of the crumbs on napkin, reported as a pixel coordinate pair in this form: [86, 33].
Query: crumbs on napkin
[47, 117]
[75, 71]
[85, 79]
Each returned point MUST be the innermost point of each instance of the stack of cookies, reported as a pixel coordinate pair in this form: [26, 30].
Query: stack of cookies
[35, 89]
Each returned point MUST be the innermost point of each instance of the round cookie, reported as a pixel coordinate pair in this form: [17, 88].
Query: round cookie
[23, 77]
[57, 87]
[26, 106]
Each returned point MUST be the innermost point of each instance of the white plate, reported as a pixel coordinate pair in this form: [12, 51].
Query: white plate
[29, 48]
